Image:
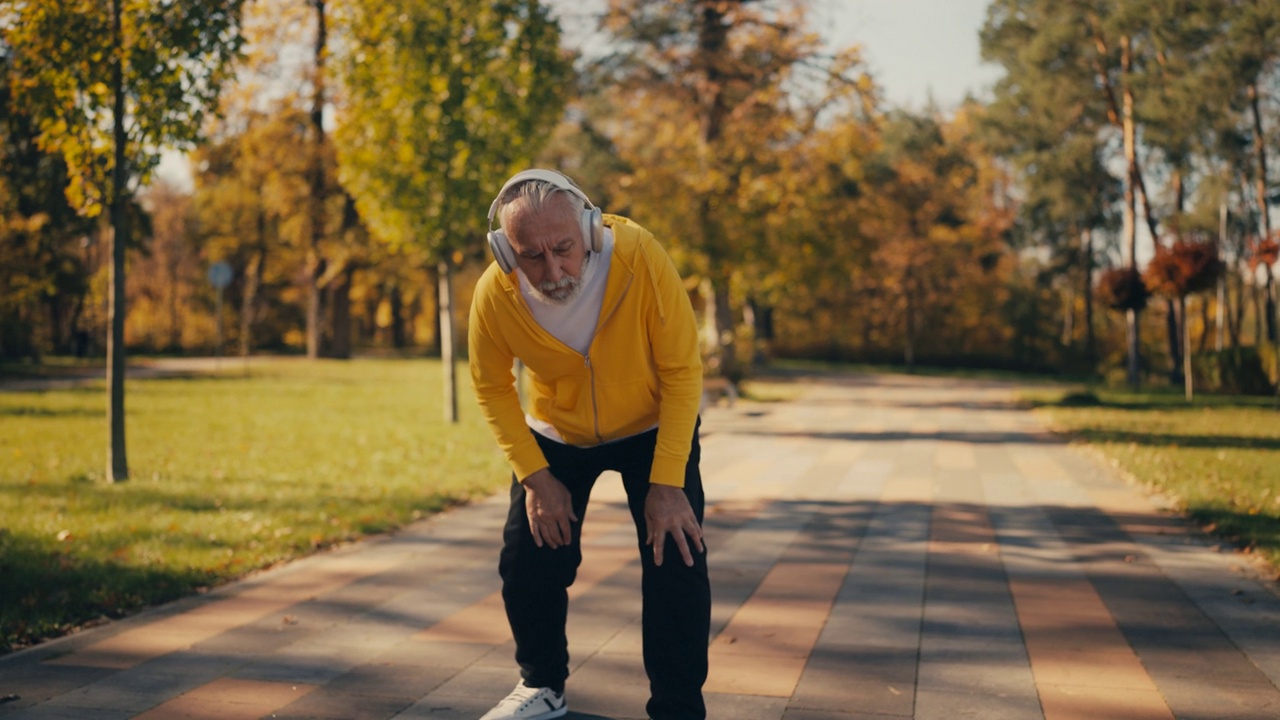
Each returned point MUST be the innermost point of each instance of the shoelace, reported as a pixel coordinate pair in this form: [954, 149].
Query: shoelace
[521, 696]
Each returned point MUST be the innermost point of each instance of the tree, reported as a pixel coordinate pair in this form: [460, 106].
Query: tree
[43, 242]
[253, 199]
[1087, 58]
[443, 99]
[719, 86]
[1184, 268]
[1051, 132]
[110, 85]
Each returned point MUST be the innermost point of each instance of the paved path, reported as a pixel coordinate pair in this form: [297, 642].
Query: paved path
[884, 547]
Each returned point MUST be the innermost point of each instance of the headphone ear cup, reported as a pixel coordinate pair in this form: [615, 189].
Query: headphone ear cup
[593, 228]
[502, 252]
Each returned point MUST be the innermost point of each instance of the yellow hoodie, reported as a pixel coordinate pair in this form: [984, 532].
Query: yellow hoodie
[643, 367]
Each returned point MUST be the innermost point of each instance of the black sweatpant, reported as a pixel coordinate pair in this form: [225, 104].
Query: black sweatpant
[676, 618]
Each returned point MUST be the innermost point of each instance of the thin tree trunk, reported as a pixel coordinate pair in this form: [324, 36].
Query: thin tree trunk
[315, 261]
[1121, 113]
[117, 459]
[1235, 309]
[397, 324]
[1187, 379]
[725, 331]
[1205, 322]
[1131, 333]
[445, 274]
[1220, 322]
[1090, 340]
[1130, 224]
[1260, 188]
[909, 344]
[175, 315]
[1174, 314]
[252, 284]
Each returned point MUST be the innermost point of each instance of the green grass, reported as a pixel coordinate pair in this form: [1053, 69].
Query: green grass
[228, 474]
[1217, 458]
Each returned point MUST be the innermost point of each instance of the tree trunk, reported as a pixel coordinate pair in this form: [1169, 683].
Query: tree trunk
[1130, 226]
[117, 460]
[445, 274]
[713, 40]
[397, 324]
[340, 314]
[252, 284]
[1220, 322]
[909, 339]
[1068, 339]
[1260, 188]
[1131, 335]
[1255, 293]
[1188, 382]
[1090, 340]
[1205, 323]
[1174, 312]
[175, 312]
[726, 336]
[315, 261]
[315, 304]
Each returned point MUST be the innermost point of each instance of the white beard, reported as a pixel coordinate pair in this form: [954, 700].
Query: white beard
[564, 291]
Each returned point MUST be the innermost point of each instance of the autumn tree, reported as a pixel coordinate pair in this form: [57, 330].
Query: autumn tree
[110, 85]
[442, 101]
[1185, 267]
[165, 271]
[706, 91]
[253, 203]
[43, 242]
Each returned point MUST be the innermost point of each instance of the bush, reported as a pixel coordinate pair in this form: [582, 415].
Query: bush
[1242, 370]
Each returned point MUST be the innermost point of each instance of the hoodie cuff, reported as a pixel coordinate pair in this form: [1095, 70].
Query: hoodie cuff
[668, 471]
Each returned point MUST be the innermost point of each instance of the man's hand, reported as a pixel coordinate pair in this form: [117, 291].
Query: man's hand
[550, 509]
[667, 512]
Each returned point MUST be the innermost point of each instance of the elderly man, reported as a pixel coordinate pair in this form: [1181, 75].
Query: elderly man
[595, 309]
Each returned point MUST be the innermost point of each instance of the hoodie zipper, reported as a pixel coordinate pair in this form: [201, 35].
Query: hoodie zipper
[591, 371]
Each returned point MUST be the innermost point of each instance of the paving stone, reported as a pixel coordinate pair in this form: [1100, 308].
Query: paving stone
[35, 683]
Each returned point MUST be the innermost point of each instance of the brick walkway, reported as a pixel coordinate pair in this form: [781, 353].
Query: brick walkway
[884, 547]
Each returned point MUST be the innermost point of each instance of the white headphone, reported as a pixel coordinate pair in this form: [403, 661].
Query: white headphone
[591, 218]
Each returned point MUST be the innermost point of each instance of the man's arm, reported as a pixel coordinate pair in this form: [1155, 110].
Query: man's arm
[491, 360]
[674, 338]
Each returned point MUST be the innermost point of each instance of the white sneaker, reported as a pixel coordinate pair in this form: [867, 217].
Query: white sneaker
[526, 703]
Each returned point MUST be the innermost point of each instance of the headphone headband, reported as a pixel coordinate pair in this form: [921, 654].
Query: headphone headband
[559, 180]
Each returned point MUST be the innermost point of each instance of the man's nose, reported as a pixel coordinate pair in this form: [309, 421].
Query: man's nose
[555, 268]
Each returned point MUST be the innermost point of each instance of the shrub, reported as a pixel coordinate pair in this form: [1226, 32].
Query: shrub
[1242, 370]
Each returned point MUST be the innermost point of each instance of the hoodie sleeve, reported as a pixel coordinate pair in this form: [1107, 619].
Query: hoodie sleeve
[494, 381]
[673, 335]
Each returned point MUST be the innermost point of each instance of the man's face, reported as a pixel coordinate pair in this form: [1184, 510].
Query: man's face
[549, 250]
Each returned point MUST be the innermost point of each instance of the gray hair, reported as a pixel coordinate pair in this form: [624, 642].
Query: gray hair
[534, 197]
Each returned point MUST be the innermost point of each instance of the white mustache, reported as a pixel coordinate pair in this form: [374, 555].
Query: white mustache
[567, 281]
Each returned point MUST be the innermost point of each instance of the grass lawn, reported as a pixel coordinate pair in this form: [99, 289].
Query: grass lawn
[1217, 458]
[230, 473]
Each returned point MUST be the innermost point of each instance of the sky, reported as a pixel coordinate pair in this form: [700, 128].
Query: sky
[916, 50]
